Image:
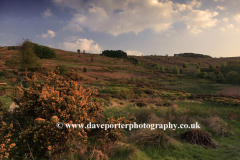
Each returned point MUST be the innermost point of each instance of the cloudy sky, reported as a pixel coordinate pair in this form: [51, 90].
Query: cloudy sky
[147, 27]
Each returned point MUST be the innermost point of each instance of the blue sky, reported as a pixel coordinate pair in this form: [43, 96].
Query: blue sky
[137, 27]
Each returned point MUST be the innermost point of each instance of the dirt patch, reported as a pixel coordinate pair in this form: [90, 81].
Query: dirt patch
[232, 91]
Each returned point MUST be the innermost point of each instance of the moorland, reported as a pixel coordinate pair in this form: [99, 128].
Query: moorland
[76, 87]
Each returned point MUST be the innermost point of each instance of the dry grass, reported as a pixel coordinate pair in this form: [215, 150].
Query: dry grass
[218, 125]
[232, 116]
[197, 137]
[98, 155]
[122, 150]
[152, 138]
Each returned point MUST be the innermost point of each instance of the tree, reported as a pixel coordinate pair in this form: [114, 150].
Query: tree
[27, 58]
[78, 51]
[83, 51]
[43, 52]
[175, 70]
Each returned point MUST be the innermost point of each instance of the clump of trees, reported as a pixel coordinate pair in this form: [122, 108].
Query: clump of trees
[114, 53]
[195, 55]
[44, 52]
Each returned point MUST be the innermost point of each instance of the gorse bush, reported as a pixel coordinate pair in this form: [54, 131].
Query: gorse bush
[32, 126]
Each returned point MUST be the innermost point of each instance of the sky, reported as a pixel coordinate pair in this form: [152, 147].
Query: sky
[138, 27]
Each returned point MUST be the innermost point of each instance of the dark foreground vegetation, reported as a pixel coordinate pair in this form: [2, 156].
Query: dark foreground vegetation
[80, 88]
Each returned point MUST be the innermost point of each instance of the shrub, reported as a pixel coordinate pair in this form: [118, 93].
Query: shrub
[223, 64]
[156, 66]
[232, 66]
[175, 70]
[196, 73]
[83, 51]
[162, 68]
[202, 74]
[212, 77]
[78, 51]
[138, 63]
[184, 65]
[232, 77]
[84, 69]
[61, 69]
[220, 78]
[44, 51]
[32, 126]
[211, 66]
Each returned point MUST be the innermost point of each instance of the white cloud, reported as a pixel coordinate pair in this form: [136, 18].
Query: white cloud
[135, 53]
[116, 17]
[200, 19]
[47, 13]
[225, 20]
[222, 29]
[82, 44]
[237, 18]
[221, 8]
[194, 3]
[195, 30]
[49, 34]
[230, 26]
[73, 27]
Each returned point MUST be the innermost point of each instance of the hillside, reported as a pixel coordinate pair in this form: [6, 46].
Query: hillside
[133, 87]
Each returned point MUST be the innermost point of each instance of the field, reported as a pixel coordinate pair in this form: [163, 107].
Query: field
[152, 97]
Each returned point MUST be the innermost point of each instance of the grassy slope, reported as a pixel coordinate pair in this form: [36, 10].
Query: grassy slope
[111, 76]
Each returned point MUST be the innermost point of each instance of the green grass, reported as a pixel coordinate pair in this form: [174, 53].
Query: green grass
[6, 101]
[228, 147]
